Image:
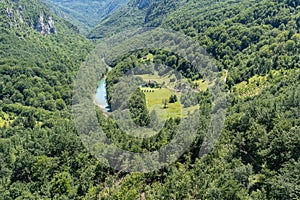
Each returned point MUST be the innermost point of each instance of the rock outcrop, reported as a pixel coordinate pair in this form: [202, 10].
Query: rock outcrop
[45, 28]
[40, 26]
[51, 25]
[9, 13]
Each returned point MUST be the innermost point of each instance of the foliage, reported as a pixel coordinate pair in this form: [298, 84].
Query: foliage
[138, 108]
[173, 99]
[41, 156]
[257, 155]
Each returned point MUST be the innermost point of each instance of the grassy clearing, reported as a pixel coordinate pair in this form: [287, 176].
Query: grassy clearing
[159, 79]
[155, 101]
[186, 111]
[156, 96]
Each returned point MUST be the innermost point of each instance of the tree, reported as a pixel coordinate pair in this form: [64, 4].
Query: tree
[29, 122]
[165, 103]
[61, 184]
[138, 108]
[173, 98]
[154, 120]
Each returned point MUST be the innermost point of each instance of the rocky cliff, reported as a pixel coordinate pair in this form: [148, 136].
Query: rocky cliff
[45, 27]
[18, 16]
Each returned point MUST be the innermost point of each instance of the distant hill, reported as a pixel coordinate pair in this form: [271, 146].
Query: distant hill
[85, 13]
[136, 13]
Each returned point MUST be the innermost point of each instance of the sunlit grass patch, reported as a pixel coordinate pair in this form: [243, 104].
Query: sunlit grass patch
[155, 98]
[254, 87]
[187, 111]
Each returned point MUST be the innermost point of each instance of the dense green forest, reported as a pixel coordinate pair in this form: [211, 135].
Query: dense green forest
[257, 156]
[40, 155]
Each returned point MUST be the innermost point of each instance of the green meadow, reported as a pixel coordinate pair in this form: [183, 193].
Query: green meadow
[155, 99]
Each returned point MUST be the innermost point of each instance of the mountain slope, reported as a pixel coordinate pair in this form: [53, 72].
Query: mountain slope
[85, 14]
[247, 39]
[137, 13]
[36, 71]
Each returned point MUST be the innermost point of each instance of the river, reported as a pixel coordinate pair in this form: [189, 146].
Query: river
[101, 96]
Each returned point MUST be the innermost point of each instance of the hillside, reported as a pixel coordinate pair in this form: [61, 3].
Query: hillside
[254, 45]
[85, 14]
[37, 67]
[136, 14]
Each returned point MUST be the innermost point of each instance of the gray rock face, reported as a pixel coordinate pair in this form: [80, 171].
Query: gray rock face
[20, 16]
[45, 28]
[12, 16]
[9, 13]
[20, 7]
[10, 25]
[40, 26]
[51, 26]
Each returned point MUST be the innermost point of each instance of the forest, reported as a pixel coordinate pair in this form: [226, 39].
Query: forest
[255, 43]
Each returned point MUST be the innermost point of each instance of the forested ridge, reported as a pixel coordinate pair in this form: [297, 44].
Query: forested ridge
[257, 155]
